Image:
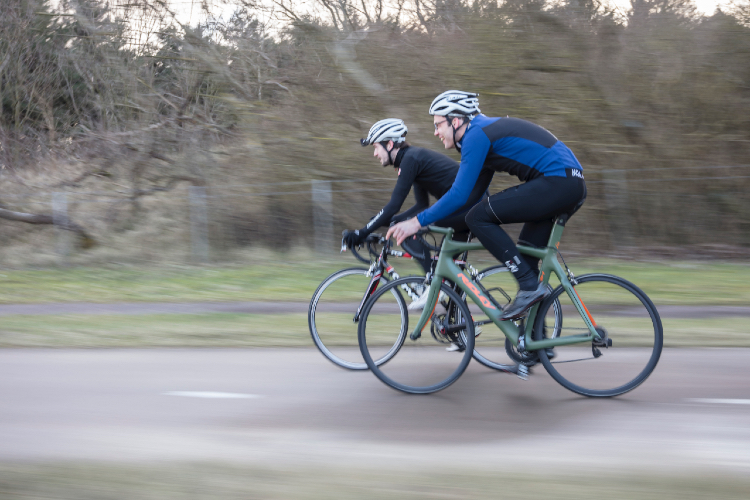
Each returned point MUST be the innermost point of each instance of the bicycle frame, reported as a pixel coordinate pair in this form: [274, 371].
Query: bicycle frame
[447, 269]
[377, 268]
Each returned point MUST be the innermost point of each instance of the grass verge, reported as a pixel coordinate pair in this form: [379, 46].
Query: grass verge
[295, 278]
[84, 481]
[270, 330]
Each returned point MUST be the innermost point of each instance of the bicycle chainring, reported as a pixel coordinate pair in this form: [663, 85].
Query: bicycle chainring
[526, 358]
[436, 327]
[438, 333]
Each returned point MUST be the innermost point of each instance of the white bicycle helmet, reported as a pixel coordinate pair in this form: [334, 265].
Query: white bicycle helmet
[455, 102]
[390, 129]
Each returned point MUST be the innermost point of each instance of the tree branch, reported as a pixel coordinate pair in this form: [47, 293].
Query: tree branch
[85, 240]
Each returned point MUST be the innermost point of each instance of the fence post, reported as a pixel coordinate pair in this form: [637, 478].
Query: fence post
[198, 223]
[59, 219]
[322, 215]
[618, 205]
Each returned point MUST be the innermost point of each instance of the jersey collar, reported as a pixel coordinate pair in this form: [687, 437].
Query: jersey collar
[399, 157]
[460, 143]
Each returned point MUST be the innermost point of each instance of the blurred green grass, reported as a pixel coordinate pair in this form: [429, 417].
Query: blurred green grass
[274, 330]
[114, 481]
[685, 283]
[160, 330]
[295, 280]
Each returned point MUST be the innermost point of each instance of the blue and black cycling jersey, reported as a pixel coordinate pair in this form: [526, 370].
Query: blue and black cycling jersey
[511, 145]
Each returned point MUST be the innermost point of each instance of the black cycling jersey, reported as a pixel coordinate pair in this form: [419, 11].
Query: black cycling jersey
[428, 172]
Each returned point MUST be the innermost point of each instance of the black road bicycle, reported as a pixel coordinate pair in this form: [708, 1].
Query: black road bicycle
[337, 303]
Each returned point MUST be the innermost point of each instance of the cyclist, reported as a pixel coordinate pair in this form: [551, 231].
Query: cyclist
[428, 172]
[552, 185]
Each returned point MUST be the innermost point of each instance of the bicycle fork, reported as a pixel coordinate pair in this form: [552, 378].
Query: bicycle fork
[376, 271]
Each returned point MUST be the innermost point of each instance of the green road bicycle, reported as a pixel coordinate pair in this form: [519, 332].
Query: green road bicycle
[597, 335]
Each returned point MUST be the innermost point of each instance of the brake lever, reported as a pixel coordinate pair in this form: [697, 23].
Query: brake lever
[343, 245]
[386, 244]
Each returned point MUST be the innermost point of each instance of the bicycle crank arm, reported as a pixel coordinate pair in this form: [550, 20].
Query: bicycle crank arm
[483, 322]
[447, 330]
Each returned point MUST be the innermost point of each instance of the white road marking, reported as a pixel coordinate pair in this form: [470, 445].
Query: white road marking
[709, 401]
[212, 395]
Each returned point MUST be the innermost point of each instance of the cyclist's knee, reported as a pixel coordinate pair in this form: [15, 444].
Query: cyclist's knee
[477, 215]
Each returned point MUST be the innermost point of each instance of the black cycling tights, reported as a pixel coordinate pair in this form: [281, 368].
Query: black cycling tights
[537, 203]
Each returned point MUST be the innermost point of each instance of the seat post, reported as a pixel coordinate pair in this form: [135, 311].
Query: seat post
[557, 231]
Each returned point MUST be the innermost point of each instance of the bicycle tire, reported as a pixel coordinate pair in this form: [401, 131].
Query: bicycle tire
[621, 312]
[319, 327]
[421, 368]
[491, 348]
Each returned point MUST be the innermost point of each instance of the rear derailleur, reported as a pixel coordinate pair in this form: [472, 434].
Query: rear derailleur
[604, 341]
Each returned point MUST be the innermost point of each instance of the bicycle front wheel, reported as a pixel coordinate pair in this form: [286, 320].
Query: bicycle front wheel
[432, 362]
[631, 330]
[332, 318]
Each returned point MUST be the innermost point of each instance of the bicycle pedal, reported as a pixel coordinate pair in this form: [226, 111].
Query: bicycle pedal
[477, 330]
[523, 372]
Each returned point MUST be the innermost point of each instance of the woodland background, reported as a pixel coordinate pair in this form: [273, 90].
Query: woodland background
[120, 114]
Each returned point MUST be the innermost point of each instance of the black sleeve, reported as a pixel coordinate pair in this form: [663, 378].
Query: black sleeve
[422, 199]
[400, 192]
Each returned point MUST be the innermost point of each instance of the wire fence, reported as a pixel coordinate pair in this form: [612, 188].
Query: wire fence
[208, 224]
[194, 223]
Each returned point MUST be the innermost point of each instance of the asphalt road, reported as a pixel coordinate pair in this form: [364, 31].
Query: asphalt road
[291, 406]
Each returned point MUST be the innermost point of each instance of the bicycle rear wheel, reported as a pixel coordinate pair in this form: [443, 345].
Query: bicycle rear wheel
[332, 322]
[632, 337]
[428, 364]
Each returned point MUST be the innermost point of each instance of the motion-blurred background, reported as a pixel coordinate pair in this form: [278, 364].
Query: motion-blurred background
[152, 131]
[174, 178]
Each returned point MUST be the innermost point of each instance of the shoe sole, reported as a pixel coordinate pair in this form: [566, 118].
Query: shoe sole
[522, 313]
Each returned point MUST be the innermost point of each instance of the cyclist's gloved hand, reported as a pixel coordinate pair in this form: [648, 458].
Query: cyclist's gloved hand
[353, 238]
